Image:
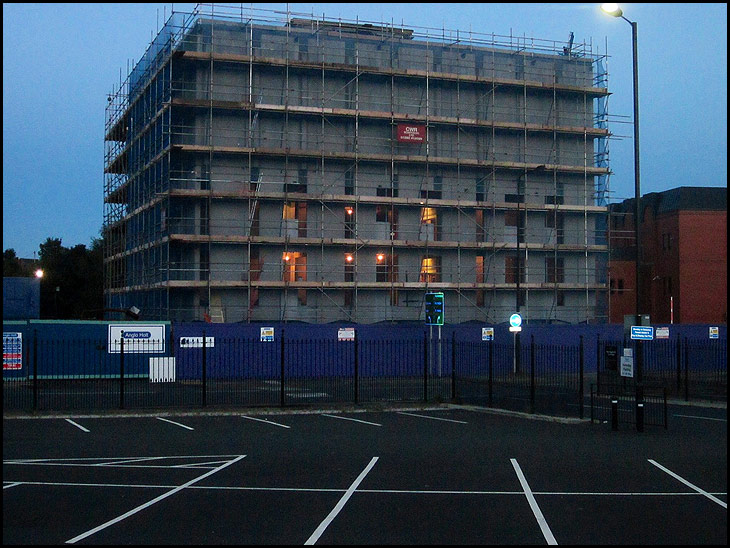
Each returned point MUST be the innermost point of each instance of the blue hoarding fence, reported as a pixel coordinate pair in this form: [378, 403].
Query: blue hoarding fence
[109, 366]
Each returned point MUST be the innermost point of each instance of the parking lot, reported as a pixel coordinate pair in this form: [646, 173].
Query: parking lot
[409, 475]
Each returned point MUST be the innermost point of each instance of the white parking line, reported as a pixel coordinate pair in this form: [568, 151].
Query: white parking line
[696, 417]
[350, 419]
[372, 491]
[150, 503]
[544, 527]
[77, 425]
[336, 510]
[266, 421]
[175, 423]
[688, 484]
[434, 418]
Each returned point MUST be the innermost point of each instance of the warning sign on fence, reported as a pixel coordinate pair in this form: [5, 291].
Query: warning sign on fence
[12, 351]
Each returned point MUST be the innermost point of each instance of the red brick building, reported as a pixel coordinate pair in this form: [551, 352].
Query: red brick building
[683, 274]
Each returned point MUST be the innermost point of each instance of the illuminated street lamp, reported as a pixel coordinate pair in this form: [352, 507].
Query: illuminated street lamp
[39, 273]
[615, 11]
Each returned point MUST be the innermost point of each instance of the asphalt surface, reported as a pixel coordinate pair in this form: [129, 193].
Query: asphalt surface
[406, 475]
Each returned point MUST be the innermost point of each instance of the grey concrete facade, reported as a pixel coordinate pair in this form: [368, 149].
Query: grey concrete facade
[258, 171]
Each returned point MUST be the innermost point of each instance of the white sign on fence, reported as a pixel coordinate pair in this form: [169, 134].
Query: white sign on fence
[162, 369]
[487, 333]
[267, 334]
[346, 334]
[196, 342]
[138, 339]
[627, 366]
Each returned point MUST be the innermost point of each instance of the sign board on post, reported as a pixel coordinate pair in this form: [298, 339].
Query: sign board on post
[267, 334]
[434, 308]
[138, 339]
[487, 333]
[515, 323]
[714, 332]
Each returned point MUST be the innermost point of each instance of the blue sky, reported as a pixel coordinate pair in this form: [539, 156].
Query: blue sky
[61, 60]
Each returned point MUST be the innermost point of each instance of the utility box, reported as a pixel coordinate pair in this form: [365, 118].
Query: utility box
[633, 319]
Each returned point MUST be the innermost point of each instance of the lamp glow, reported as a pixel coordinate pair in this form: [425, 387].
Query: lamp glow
[612, 9]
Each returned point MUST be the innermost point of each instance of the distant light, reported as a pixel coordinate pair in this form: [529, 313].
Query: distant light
[348, 258]
[39, 273]
[349, 210]
[612, 9]
[286, 257]
[380, 256]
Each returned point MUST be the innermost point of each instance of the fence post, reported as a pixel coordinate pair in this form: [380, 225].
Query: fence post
[453, 365]
[491, 355]
[121, 370]
[204, 370]
[598, 363]
[357, 396]
[581, 365]
[686, 370]
[35, 370]
[679, 366]
[281, 383]
[425, 367]
[532, 373]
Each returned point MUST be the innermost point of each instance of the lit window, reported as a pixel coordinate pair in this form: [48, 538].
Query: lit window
[290, 210]
[428, 215]
[430, 267]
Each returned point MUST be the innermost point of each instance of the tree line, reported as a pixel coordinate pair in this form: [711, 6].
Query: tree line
[72, 286]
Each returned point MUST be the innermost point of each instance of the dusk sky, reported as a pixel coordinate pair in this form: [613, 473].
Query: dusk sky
[60, 61]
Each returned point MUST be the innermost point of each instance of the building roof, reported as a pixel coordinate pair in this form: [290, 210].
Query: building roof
[683, 198]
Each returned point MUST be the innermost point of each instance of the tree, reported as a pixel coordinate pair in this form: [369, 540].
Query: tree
[72, 285]
[12, 267]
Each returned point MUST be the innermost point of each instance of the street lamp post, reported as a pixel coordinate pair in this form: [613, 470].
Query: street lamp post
[615, 11]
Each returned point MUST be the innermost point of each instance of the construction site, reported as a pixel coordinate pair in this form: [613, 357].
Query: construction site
[276, 166]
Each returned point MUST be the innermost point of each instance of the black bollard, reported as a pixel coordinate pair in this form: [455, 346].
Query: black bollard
[614, 415]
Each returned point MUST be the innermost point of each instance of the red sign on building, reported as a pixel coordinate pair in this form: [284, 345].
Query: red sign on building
[411, 133]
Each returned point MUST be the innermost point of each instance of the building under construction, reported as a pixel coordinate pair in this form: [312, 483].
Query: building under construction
[264, 166]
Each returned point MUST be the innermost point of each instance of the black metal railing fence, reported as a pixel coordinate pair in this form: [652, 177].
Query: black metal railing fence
[76, 375]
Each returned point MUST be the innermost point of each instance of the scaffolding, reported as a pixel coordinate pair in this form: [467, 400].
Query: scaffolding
[264, 166]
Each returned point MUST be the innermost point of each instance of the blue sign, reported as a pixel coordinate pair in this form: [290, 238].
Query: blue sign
[642, 333]
[515, 320]
[435, 308]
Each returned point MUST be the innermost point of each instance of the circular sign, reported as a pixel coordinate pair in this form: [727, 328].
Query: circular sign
[515, 320]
